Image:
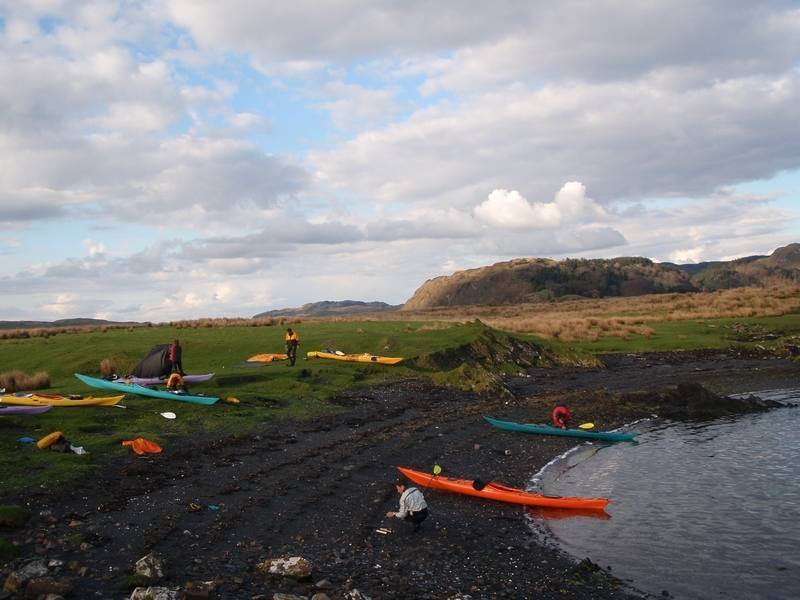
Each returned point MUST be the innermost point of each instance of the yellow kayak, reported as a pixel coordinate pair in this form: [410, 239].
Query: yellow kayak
[361, 358]
[56, 400]
[265, 358]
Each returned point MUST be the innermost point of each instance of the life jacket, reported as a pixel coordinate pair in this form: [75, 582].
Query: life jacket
[142, 446]
[560, 415]
[292, 337]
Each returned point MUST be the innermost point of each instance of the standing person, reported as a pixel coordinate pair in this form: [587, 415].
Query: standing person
[561, 416]
[176, 357]
[292, 342]
[413, 507]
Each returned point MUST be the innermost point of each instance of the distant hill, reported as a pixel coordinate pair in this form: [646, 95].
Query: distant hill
[62, 323]
[328, 308]
[538, 279]
[782, 266]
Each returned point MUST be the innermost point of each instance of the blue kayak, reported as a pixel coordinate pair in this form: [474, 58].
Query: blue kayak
[132, 388]
[608, 436]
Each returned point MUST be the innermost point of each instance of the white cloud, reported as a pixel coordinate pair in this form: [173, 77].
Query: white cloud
[94, 248]
[193, 300]
[159, 114]
[247, 121]
[687, 255]
[355, 107]
[509, 210]
[622, 141]
[423, 223]
[63, 304]
[308, 33]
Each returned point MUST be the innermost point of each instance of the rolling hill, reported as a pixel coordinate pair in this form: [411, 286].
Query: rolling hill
[328, 308]
[539, 279]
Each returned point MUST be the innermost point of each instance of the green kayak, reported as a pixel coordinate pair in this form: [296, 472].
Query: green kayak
[607, 436]
[132, 388]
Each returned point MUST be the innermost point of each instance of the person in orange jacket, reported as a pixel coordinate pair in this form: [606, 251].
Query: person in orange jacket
[292, 342]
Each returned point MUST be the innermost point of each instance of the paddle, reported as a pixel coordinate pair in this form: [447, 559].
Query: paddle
[586, 426]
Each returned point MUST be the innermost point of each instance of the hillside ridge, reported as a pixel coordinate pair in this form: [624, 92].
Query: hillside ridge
[522, 280]
[328, 308]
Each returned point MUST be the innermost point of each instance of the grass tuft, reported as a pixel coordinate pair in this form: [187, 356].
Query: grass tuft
[18, 381]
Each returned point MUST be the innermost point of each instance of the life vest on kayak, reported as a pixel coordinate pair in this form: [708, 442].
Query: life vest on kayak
[560, 416]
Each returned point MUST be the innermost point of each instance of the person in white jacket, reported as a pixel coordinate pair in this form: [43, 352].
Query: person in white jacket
[413, 507]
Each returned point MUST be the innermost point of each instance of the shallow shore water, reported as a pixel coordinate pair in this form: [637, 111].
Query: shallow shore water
[703, 509]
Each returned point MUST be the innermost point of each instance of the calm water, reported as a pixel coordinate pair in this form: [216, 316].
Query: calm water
[703, 510]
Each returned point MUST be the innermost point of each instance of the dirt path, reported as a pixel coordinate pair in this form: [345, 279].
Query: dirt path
[319, 489]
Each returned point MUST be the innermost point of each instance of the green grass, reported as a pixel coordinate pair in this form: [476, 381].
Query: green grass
[266, 392]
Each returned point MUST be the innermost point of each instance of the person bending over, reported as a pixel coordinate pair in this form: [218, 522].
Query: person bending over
[413, 507]
[176, 384]
[561, 416]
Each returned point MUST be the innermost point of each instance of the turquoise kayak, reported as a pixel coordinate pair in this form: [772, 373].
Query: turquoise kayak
[132, 388]
[607, 436]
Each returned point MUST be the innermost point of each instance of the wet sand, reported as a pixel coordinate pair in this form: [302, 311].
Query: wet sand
[319, 489]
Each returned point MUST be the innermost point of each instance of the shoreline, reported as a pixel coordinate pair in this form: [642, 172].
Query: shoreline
[702, 460]
[319, 489]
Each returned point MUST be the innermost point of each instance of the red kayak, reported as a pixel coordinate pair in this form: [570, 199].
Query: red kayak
[497, 491]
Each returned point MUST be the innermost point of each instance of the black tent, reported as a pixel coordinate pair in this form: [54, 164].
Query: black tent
[155, 364]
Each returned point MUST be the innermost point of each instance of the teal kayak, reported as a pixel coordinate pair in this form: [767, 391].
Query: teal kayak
[608, 436]
[132, 388]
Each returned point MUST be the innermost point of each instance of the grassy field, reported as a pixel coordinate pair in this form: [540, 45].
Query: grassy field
[772, 333]
[276, 391]
[266, 392]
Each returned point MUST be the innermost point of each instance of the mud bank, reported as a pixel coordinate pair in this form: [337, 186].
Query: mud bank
[214, 508]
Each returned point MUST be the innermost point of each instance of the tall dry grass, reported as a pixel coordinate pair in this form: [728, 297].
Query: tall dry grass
[45, 332]
[233, 322]
[591, 319]
[107, 367]
[17, 381]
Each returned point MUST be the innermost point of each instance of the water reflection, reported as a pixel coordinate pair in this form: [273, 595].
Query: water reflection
[550, 514]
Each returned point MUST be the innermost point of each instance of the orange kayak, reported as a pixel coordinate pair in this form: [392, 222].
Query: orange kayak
[502, 493]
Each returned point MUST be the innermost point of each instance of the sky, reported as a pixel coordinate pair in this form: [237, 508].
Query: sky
[182, 159]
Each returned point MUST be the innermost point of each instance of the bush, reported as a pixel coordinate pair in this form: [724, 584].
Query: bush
[107, 367]
[17, 381]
